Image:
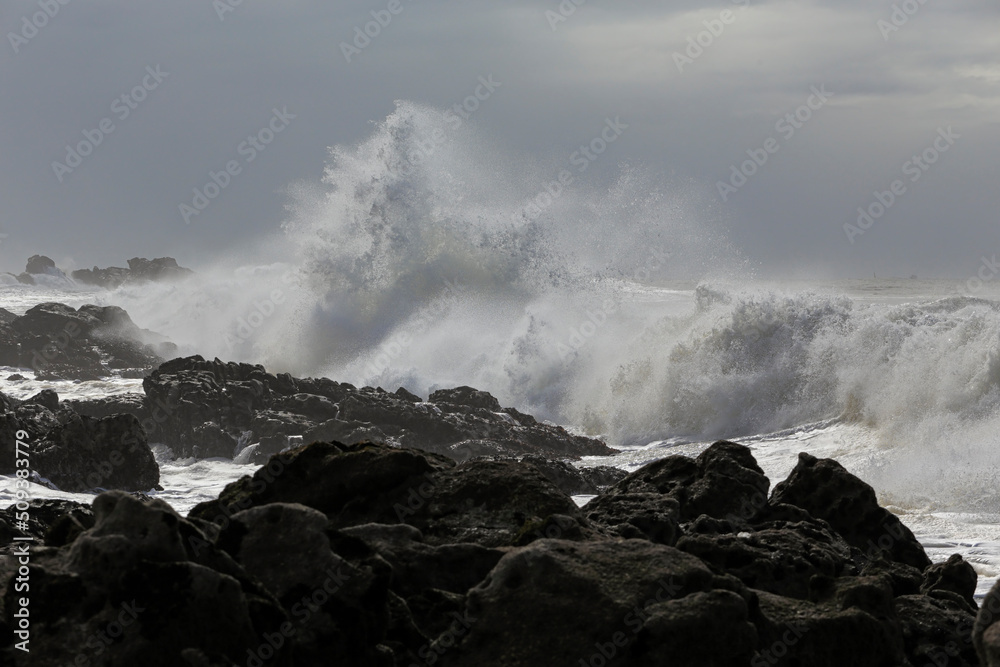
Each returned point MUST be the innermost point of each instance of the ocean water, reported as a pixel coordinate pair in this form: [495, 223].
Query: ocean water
[617, 308]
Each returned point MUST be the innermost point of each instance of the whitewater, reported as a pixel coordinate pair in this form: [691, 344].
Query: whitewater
[618, 308]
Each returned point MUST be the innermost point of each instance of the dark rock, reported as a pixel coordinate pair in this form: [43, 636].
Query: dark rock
[650, 516]
[827, 491]
[6, 317]
[109, 278]
[482, 502]
[407, 396]
[336, 430]
[48, 521]
[240, 397]
[724, 482]
[468, 397]
[140, 270]
[46, 398]
[666, 598]
[936, 632]
[315, 408]
[60, 342]
[986, 630]
[86, 453]
[39, 264]
[778, 560]
[368, 554]
[25, 278]
[801, 632]
[906, 579]
[136, 569]
[287, 549]
[602, 477]
[417, 566]
[954, 575]
[211, 441]
[569, 479]
[161, 268]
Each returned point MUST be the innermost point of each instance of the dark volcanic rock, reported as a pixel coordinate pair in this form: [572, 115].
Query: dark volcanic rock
[88, 343]
[778, 560]
[86, 453]
[50, 522]
[954, 576]
[464, 397]
[483, 502]
[936, 631]
[571, 480]
[827, 491]
[372, 555]
[134, 576]
[139, 269]
[666, 599]
[39, 264]
[724, 482]
[651, 516]
[286, 548]
[241, 397]
[856, 626]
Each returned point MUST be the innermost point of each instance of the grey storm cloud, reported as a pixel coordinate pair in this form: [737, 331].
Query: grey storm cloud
[703, 87]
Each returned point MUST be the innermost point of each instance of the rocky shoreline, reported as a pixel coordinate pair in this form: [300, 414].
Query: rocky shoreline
[383, 529]
[369, 554]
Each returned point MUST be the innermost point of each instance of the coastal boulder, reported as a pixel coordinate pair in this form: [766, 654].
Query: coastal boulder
[632, 602]
[39, 264]
[489, 503]
[723, 482]
[827, 491]
[86, 453]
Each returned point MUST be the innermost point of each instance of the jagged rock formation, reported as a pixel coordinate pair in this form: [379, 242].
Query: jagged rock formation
[370, 555]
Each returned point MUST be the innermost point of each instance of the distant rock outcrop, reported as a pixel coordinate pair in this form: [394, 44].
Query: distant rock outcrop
[40, 264]
[139, 269]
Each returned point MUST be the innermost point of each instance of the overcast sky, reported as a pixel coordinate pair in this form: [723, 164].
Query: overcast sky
[895, 92]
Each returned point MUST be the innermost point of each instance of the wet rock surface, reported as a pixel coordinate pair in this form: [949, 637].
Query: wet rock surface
[185, 395]
[372, 554]
[60, 342]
